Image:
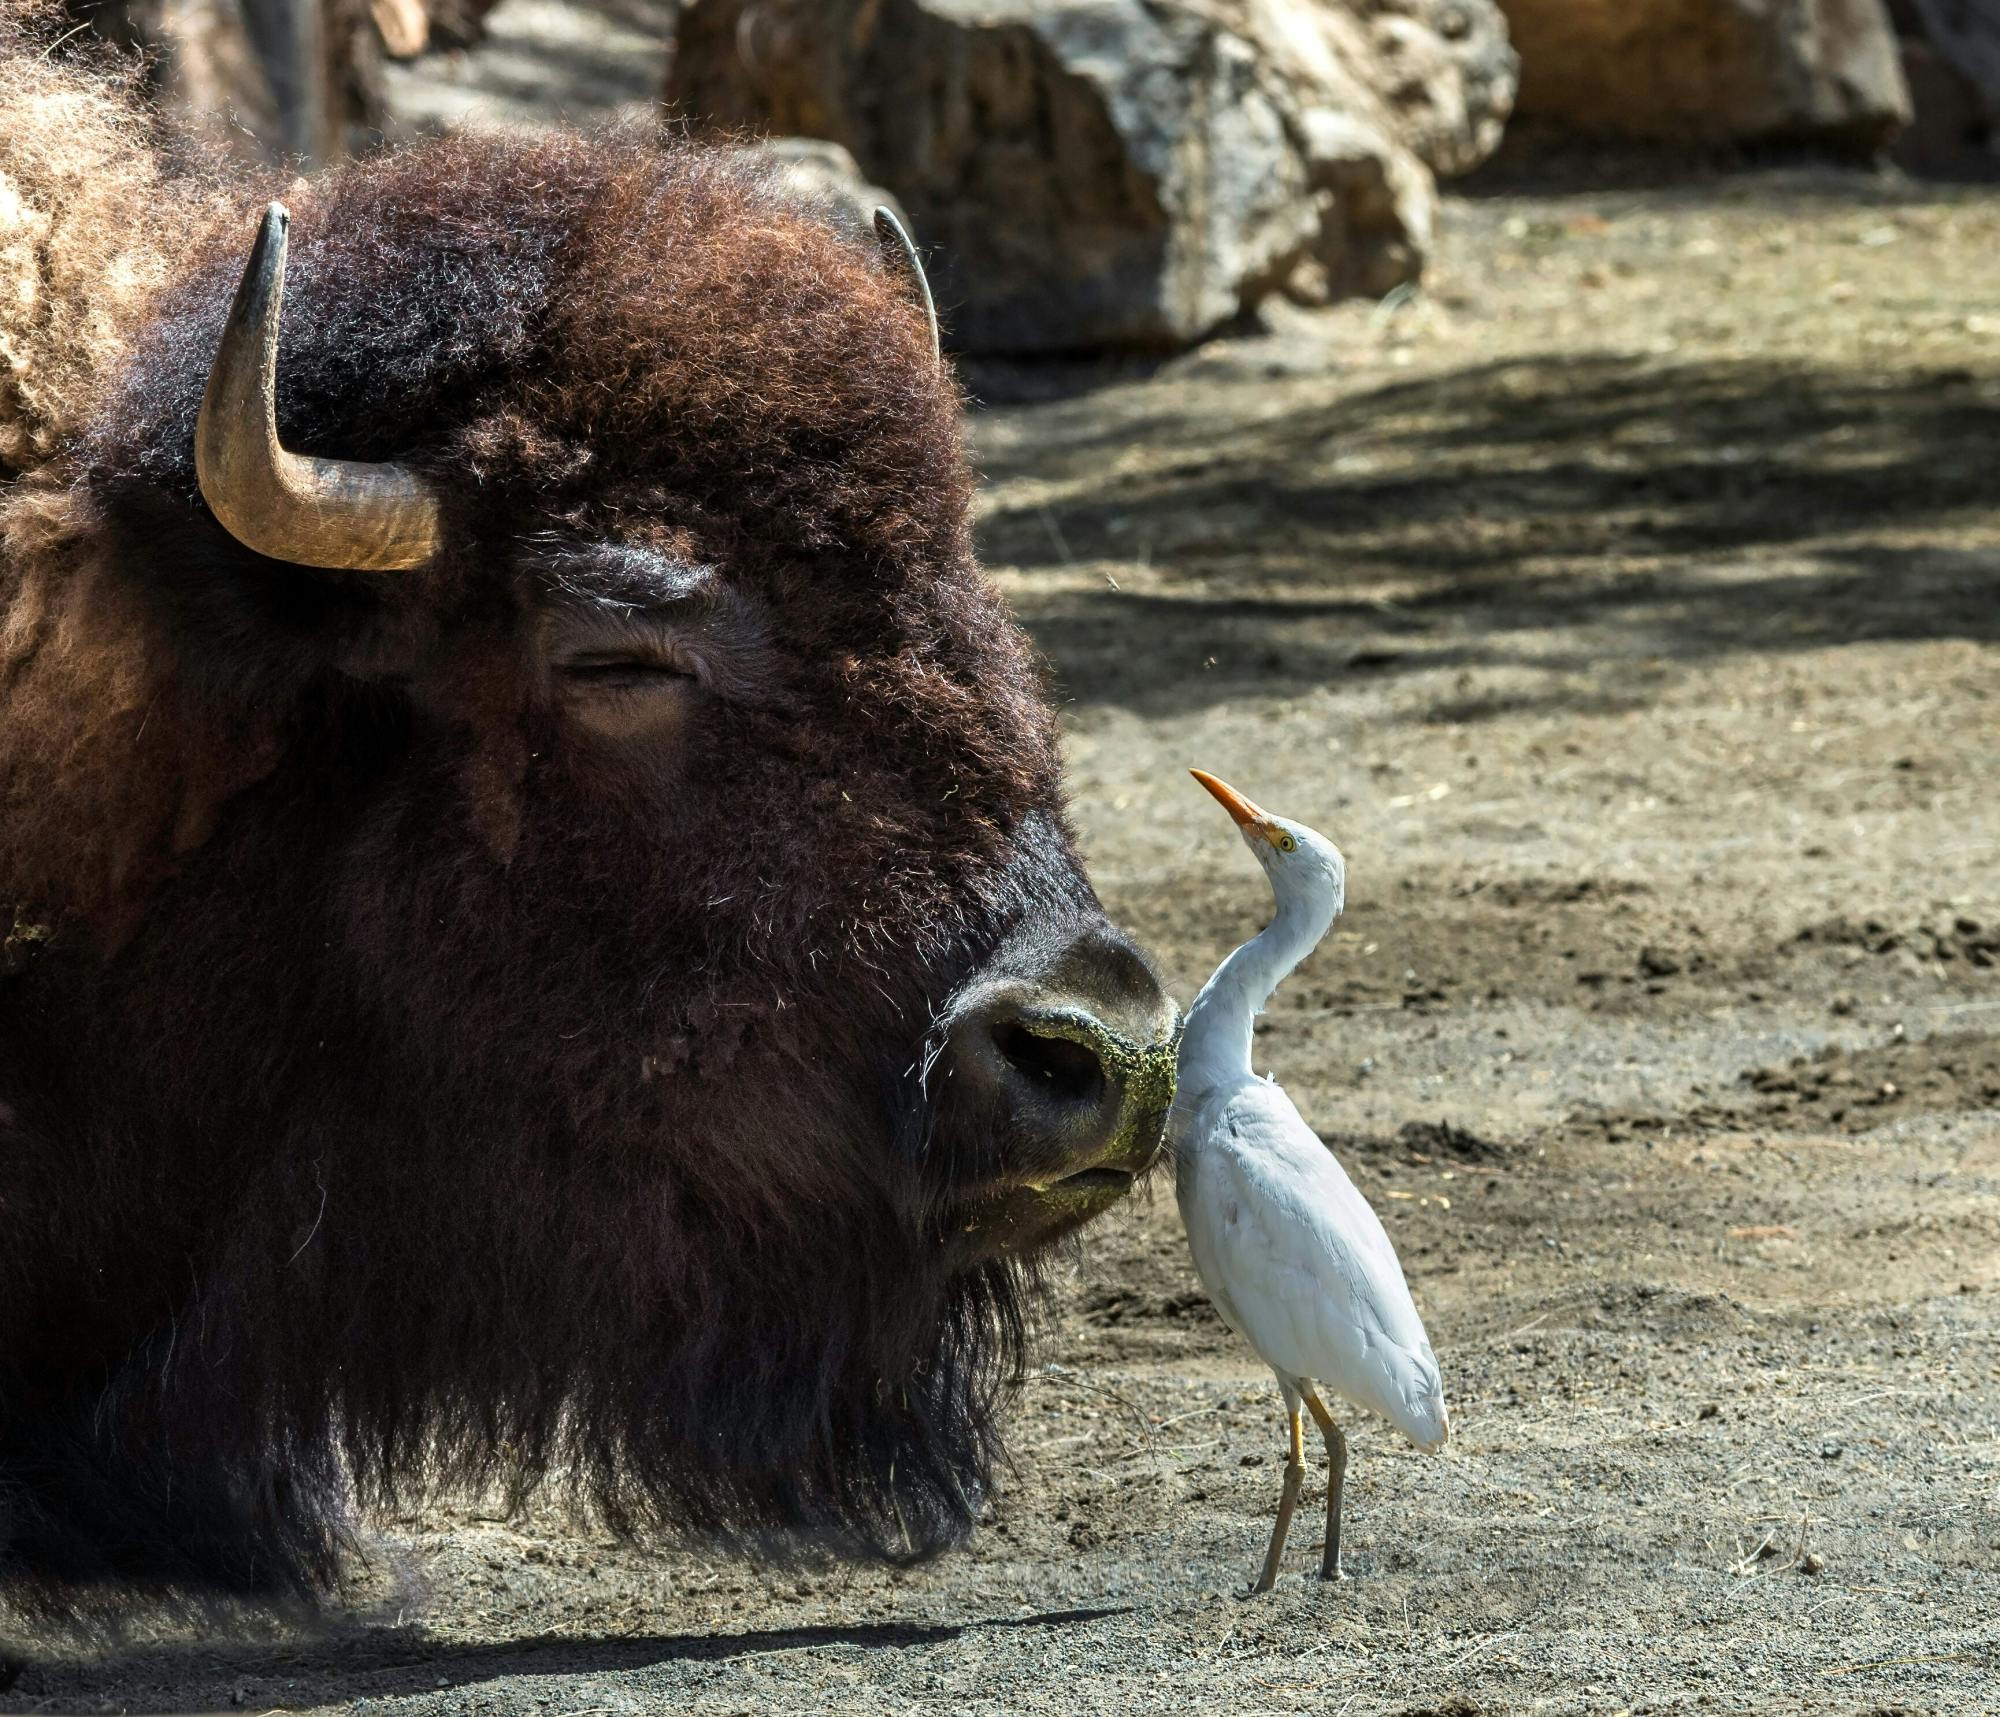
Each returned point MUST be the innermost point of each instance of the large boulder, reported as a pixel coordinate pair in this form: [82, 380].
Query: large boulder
[1710, 72]
[1087, 173]
[1965, 36]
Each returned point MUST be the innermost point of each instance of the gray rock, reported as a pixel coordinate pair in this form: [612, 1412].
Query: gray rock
[1710, 71]
[1089, 173]
[1966, 36]
[824, 175]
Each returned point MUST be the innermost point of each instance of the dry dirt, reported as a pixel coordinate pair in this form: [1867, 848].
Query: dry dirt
[1626, 604]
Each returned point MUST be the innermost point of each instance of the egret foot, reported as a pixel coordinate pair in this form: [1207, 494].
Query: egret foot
[1336, 1484]
[1295, 1473]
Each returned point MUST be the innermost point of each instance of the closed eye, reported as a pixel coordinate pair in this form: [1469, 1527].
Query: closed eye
[631, 680]
[615, 672]
[637, 644]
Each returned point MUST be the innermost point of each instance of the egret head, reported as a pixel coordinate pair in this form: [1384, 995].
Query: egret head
[1298, 860]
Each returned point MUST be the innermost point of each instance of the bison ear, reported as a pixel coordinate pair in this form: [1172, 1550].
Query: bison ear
[902, 254]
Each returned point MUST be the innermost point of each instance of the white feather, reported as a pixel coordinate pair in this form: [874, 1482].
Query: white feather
[1288, 1249]
[1298, 1264]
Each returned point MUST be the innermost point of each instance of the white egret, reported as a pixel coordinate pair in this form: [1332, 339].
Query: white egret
[1289, 1251]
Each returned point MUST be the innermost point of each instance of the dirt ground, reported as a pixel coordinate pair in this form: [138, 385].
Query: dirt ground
[1626, 604]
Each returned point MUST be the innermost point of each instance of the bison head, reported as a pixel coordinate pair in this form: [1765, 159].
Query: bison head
[546, 934]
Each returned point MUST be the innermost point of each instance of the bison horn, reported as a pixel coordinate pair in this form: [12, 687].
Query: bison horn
[902, 254]
[315, 512]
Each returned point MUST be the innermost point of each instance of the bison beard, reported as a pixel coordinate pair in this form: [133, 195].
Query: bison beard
[430, 1281]
[404, 1088]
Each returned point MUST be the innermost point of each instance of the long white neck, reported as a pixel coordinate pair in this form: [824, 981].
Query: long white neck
[1216, 1044]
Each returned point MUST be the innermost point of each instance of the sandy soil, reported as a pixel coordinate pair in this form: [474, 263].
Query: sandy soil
[1627, 605]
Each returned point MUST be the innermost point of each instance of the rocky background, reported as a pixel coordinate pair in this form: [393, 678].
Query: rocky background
[1093, 175]
[1129, 173]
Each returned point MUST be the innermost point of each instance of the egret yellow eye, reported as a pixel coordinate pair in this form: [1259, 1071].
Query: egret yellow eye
[1286, 844]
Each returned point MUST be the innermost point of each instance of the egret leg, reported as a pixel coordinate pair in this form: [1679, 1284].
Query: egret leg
[1336, 1484]
[1295, 1472]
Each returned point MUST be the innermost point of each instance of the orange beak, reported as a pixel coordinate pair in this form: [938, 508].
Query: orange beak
[1251, 818]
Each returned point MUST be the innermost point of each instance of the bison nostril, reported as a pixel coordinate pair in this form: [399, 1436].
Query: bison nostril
[1070, 1071]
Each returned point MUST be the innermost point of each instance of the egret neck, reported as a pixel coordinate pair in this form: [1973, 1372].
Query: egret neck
[1309, 886]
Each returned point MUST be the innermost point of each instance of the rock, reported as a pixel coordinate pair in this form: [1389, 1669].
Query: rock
[1951, 61]
[259, 79]
[533, 66]
[826, 176]
[1952, 122]
[1088, 173]
[403, 25]
[1711, 72]
[1965, 35]
[452, 24]
[202, 73]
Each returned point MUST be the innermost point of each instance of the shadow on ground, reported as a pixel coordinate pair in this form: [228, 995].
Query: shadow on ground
[1699, 508]
[383, 1663]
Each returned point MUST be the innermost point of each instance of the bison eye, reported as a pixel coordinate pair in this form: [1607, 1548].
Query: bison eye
[622, 692]
[634, 643]
[612, 672]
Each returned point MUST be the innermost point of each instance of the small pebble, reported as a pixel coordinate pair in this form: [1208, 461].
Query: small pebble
[1812, 1562]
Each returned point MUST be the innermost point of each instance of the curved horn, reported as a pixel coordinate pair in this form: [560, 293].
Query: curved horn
[901, 253]
[315, 512]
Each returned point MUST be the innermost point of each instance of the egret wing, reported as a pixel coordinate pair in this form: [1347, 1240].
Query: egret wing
[1300, 1264]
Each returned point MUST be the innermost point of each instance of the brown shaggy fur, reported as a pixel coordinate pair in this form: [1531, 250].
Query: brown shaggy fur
[401, 1084]
[565, 314]
[87, 223]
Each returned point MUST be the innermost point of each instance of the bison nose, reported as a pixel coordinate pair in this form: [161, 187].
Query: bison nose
[1075, 1063]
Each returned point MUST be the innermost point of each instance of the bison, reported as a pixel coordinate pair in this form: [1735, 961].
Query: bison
[541, 937]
